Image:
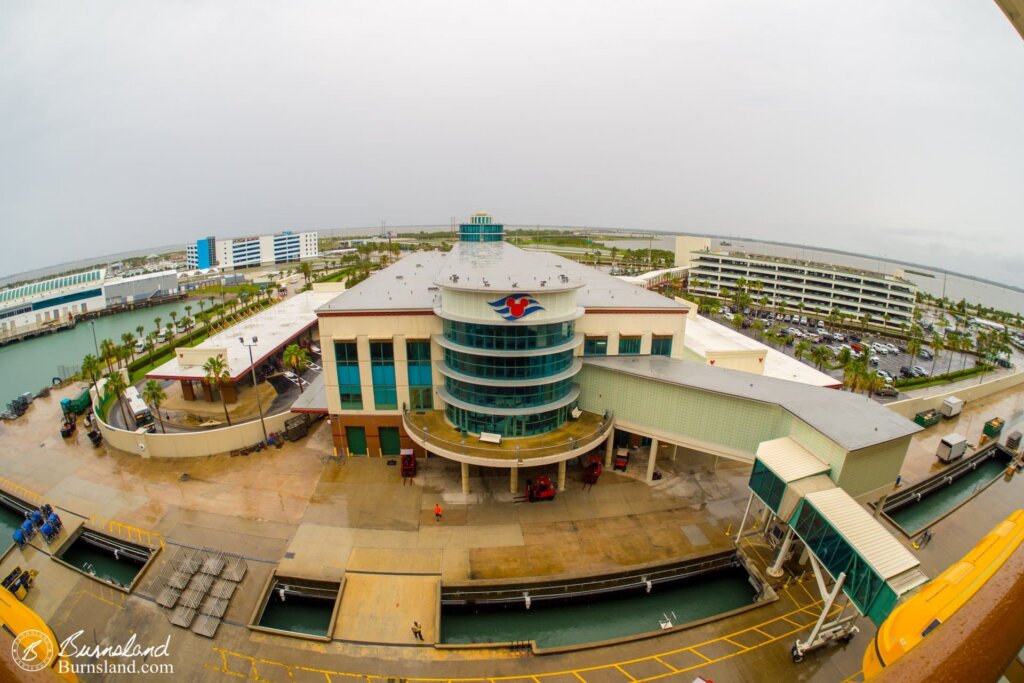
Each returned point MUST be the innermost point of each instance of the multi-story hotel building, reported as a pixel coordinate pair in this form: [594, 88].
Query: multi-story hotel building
[802, 286]
[245, 252]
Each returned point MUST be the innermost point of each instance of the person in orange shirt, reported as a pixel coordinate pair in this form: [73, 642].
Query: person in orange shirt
[437, 512]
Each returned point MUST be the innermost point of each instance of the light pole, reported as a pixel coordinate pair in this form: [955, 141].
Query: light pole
[92, 324]
[255, 387]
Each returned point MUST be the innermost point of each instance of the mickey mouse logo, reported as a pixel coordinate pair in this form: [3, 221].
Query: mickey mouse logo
[515, 306]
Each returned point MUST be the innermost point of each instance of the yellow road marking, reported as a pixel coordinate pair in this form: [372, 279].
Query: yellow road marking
[540, 677]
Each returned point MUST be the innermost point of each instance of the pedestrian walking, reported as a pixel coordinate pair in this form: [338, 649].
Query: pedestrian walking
[437, 512]
[417, 630]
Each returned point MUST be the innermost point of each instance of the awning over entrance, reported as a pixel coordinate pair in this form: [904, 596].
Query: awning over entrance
[313, 399]
[845, 538]
[783, 472]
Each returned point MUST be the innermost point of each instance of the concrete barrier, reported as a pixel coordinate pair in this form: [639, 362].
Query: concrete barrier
[192, 444]
[912, 406]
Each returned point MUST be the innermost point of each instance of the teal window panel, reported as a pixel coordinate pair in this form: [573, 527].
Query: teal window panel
[661, 346]
[629, 346]
[595, 346]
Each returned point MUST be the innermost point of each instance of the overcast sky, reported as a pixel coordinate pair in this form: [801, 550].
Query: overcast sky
[890, 128]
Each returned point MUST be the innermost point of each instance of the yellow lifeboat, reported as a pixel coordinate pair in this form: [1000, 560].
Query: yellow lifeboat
[940, 598]
[20, 622]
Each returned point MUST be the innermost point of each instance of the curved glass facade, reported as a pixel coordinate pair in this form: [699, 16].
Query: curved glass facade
[509, 337]
[509, 425]
[508, 367]
[490, 396]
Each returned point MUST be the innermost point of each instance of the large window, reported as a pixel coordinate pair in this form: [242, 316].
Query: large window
[508, 367]
[595, 346]
[508, 337]
[661, 346]
[421, 394]
[349, 388]
[500, 396]
[508, 425]
[382, 369]
[629, 346]
[766, 485]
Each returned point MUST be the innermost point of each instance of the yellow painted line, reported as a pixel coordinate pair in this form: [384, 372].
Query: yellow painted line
[665, 664]
[538, 678]
[625, 673]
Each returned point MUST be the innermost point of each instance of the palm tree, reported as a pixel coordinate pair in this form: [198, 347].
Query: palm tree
[157, 320]
[844, 358]
[295, 357]
[937, 347]
[174, 317]
[306, 268]
[865, 319]
[154, 394]
[140, 330]
[128, 340]
[914, 345]
[801, 348]
[202, 306]
[188, 310]
[116, 386]
[216, 373]
[872, 383]
[150, 346]
[821, 355]
[108, 350]
[92, 367]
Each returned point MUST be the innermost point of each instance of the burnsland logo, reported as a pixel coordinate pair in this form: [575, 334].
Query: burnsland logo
[33, 650]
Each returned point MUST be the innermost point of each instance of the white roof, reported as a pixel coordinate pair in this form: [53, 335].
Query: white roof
[704, 336]
[887, 556]
[415, 281]
[789, 460]
[273, 328]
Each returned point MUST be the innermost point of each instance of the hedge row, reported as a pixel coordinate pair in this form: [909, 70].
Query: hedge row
[910, 383]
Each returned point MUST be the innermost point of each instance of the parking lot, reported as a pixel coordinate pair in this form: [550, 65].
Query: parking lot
[888, 361]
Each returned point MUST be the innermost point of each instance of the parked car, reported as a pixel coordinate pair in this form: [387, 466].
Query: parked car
[873, 360]
[821, 324]
[925, 354]
[787, 318]
[918, 371]
[890, 392]
[803, 320]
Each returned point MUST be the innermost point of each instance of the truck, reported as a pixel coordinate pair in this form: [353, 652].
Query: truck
[77, 405]
[951, 407]
[951, 447]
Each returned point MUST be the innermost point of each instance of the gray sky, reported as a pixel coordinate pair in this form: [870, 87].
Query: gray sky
[890, 128]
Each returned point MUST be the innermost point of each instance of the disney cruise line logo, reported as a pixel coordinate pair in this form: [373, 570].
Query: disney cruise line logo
[515, 306]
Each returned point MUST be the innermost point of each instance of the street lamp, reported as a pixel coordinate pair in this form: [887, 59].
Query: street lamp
[92, 324]
[255, 387]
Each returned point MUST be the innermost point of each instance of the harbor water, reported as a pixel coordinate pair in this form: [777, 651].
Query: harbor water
[101, 563]
[32, 364]
[298, 614]
[592, 620]
[9, 521]
[918, 516]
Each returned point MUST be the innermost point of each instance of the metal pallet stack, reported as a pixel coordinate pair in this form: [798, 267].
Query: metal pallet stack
[196, 585]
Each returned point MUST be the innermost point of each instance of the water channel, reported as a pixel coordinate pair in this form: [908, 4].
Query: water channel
[597, 619]
[32, 364]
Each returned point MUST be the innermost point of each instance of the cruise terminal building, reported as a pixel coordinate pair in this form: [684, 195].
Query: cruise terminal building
[495, 357]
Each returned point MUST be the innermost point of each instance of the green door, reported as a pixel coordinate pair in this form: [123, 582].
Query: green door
[390, 444]
[356, 438]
